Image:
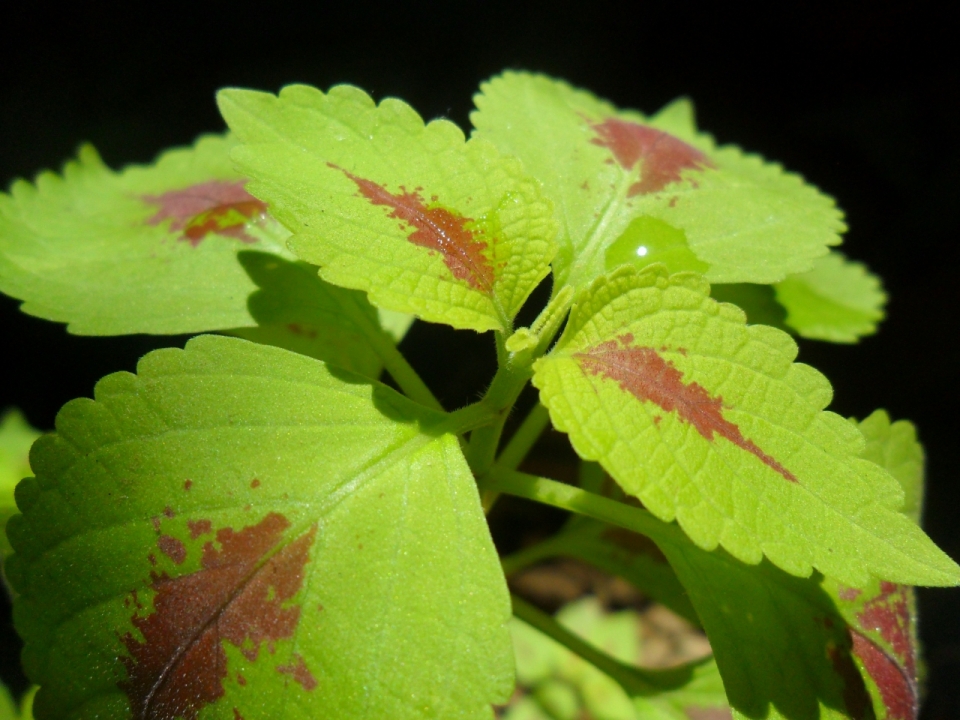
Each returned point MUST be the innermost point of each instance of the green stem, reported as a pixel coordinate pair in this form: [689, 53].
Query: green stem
[467, 418]
[516, 450]
[567, 497]
[634, 681]
[499, 398]
[525, 437]
[403, 373]
[528, 556]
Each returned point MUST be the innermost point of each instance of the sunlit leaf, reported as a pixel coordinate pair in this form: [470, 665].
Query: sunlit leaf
[710, 422]
[638, 190]
[424, 222]
[239, 531]
[150, 249]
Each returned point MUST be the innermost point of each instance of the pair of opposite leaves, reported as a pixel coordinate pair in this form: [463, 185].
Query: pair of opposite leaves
[456, 233]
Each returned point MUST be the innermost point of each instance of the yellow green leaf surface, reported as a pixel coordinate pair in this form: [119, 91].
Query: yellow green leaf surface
[150, 249]
[238, 530]
[838, 300]
[631, 189]
[709, 422]
[423, 221]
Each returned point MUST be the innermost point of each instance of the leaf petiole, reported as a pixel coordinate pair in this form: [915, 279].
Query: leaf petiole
[573, 499]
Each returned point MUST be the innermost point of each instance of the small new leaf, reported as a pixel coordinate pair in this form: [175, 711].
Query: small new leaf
[424, 222]
[838, 300]
[710, 422]
[637, 190]
[240, 531]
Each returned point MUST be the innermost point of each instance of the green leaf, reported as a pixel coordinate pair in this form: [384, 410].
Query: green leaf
[894, 447]
[147, 250]
[8, 708]
[781, 647]
[634, 189]
[882, 616]
[759, 302]
[237, 530]
[838, 300]
[296, 310]
[709, 422]
[426, 223]
[16, 437]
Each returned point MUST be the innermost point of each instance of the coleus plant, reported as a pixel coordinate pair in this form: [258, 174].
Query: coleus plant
[259, 525]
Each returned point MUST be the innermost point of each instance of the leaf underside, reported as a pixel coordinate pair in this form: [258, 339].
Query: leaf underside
[424, 222]
[238, 531]
[708, 421]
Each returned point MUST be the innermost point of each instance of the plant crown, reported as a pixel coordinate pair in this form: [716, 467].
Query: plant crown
[259, 526]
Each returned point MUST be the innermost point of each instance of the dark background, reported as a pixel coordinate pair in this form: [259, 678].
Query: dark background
[860, 98]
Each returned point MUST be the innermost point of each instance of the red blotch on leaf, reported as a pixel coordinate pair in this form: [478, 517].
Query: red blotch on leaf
[187, 484]
[436, 229]
[240, 595]
[663, 156]
[895, 675]
[199, 527]
[298, 670]
[172, 548]
[255, 483]
[898, 690]
[221, 207]
[643, 373]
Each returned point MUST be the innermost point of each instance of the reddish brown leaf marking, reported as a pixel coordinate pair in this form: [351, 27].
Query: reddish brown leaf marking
[897, 690]
[239, 595]
[889, 614]
[237, 715]
[664, 156]
[437, 229]
[152, 559]
[643, 373]
[187, 484]
[255, 483]
[172, 548]
[298, 670]
[221, 207]
[168, 512]
[241, 680]
[199, 527]
[895, 675]
[849, 594]
[855, 697]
